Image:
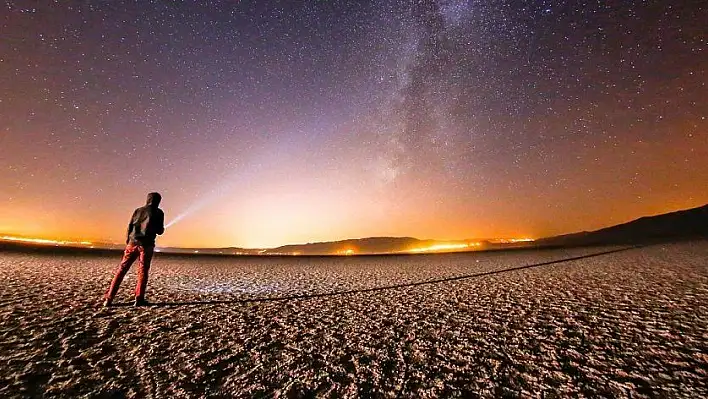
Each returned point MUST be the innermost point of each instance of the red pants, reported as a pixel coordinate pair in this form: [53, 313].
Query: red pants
[133, 252]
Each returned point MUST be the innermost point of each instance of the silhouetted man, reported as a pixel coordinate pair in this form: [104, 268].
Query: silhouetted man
[147, 222]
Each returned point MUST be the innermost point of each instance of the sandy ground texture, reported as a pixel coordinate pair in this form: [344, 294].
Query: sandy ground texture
[629, 323]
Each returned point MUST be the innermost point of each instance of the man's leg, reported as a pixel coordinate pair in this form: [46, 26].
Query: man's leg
[129, 255]
[143, 270]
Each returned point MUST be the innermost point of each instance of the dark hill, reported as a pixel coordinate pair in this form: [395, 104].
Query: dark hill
[684, 224]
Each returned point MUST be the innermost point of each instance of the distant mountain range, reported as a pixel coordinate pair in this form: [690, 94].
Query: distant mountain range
[362, 246]
[351, 246]
[688, 223]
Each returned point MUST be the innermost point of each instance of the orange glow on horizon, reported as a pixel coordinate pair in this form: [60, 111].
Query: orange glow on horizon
[255, 228]
[445, 247]
[510, 240]
[450, 247]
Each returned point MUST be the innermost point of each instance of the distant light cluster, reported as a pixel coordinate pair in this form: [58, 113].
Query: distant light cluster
[43, 241]
[447, 247]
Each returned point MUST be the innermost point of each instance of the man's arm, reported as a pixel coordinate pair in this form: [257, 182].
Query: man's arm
[130, 228]
[160, 223]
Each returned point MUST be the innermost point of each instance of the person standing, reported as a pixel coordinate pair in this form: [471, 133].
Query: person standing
[145, 225]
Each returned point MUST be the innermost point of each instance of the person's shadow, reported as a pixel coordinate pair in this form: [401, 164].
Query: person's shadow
[225, 301]
[373, 289]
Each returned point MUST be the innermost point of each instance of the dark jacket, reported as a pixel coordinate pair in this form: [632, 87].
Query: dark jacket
[147, 222]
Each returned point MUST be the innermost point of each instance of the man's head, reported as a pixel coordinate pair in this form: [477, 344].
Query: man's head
[154, 199]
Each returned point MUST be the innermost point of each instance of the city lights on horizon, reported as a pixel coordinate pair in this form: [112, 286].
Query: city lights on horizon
[445, 247]
[44, 241]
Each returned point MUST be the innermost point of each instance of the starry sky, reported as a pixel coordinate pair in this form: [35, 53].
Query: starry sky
[275, 122]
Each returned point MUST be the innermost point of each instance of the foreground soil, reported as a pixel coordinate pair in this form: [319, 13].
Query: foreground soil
[629, 323]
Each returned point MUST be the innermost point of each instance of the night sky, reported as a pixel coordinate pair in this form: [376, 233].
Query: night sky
[274, 122]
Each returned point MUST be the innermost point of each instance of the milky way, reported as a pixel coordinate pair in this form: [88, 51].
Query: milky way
[274, 122]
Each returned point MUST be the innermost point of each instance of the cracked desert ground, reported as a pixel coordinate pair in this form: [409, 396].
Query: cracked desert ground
[632, 323]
